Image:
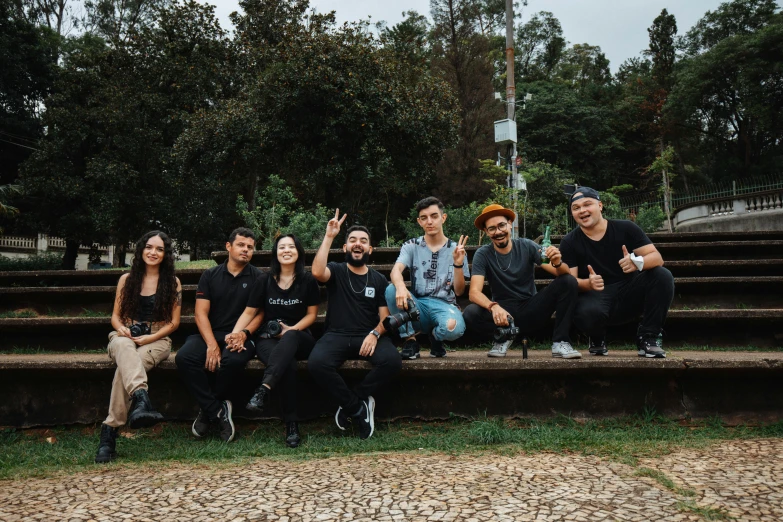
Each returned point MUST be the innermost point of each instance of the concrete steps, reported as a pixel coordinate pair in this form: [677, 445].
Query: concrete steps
[740, 387]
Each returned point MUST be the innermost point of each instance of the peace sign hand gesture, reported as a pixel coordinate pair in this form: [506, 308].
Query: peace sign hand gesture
[333, 227]
[459, 252]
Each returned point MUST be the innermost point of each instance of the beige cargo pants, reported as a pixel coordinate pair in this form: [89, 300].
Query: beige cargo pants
[133, 362]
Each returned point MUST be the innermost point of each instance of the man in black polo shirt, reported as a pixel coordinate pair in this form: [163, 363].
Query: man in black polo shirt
[620, 275]
[354, 327]
[209, 368]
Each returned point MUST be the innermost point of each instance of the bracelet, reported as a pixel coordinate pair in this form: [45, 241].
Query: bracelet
[459, 266]
[491, 304]
[558, 265]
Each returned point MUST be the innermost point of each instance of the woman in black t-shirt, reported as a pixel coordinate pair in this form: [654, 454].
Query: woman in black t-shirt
[146, 310]
[288, 297]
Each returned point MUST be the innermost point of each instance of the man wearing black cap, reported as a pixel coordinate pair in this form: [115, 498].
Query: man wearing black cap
[620, 275]
[509, 267]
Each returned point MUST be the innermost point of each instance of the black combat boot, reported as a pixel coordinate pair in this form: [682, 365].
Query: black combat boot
[106, 448]
[292, 438]
[141, 413]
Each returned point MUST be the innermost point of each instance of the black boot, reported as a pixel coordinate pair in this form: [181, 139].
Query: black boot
[107, 445]
[256, 402]
[292, 438]
[141, 413]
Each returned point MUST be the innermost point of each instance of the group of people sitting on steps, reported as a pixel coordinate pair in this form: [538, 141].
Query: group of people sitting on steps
[606, 272]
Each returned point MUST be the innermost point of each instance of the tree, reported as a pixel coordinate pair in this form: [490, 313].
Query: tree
[729, 96]
[540, 46]
[461, 56]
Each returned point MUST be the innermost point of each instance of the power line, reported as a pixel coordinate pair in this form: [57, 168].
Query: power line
[20, 145]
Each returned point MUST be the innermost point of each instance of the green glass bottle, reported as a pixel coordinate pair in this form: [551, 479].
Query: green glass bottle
[546, 243]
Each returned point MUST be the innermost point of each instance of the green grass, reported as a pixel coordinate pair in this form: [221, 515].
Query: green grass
[706, 513]
[93, 313]
[672, 350]
[18, 314]
[664, 481]
[204, 263]
[27, 453]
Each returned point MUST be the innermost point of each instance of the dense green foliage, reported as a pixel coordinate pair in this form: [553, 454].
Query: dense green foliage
[151, 115]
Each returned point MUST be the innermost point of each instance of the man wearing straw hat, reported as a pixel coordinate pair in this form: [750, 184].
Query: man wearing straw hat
[509, 266]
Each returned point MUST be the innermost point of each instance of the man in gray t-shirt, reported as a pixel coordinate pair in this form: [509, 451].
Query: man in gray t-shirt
[438, 268]
[509, 267]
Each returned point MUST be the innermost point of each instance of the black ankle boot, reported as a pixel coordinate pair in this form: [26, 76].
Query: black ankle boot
[256, 402]
[141, 413]
[292, 438]
[106, 448]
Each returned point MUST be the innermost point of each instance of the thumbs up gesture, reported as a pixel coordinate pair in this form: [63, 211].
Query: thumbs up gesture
[626, 263]
[596, 281]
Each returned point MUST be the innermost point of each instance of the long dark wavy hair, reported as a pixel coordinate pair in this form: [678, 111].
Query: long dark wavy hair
[299, 267]
[166, 293]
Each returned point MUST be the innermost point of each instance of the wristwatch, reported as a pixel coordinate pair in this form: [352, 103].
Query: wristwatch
[247, 333]
[376, 333]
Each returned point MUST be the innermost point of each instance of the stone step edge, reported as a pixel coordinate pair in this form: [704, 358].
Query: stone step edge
[461, 361]
[725, 313]
[541, 282]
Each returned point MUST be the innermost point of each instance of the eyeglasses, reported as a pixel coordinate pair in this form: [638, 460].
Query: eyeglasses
[501, 227]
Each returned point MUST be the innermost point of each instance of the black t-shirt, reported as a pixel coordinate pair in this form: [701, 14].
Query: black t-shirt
[289, 305]
[604, 255]
[354, 300]
[227, 295]
[511, 276]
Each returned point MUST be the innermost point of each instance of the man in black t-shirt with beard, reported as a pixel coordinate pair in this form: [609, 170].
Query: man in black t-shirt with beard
[354, 327]
[620, 275]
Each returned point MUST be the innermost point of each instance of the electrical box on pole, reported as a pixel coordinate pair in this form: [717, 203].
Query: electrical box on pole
[505, 132]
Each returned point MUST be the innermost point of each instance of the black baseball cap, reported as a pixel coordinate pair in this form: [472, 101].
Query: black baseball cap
[585, 192]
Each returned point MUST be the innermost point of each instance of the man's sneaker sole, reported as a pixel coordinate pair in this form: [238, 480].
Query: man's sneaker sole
[410, 357]
[438, 354]
[601, 352]
[196, 433]
[337, 418]
[495, 354]
[644, 353]
[371, 415]
[575, 355]
[229, 407]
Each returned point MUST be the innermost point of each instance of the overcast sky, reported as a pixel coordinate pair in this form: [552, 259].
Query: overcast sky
[618, 26]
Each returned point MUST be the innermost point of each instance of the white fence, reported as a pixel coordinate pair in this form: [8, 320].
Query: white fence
[42, 243]
[732, 206]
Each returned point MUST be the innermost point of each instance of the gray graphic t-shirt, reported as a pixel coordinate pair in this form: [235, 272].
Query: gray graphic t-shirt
[432, 273]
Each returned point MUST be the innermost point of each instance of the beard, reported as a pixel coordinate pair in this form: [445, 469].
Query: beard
[356, 262]
[502, 243]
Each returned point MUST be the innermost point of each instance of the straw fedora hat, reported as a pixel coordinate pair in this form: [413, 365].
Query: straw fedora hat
[492, 211]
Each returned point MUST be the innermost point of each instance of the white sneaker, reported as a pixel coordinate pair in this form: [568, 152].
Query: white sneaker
[500, 349]
[564, 350]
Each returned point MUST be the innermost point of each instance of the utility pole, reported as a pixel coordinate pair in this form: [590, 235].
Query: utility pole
[511, 106]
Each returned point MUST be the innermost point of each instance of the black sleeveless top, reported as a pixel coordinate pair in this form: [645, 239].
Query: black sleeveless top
[146, 308]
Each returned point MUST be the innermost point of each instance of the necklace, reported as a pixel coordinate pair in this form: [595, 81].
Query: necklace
[287, 286]
[366, 280]
[511, 259]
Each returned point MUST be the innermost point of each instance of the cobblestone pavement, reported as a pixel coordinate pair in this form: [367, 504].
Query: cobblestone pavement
[742, 479]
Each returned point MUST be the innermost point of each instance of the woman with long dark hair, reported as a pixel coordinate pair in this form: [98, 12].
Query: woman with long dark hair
[146, 310]
[288, 296]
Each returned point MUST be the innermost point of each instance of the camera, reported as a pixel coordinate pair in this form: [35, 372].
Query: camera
[505, 333]
[394, 322]
[271, 329]
[139, 329]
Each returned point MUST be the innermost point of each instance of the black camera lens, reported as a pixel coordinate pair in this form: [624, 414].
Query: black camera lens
[396, 321]
[273, 328]
[139, 329]
[504, 333]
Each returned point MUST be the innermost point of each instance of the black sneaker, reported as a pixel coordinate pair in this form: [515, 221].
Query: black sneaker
[410, 349]
[226, 423]
[142, 415]
[107, 445]
[256, 402]
[365, 419]
[437, 349]
[201, 425]
[598, 347]
[341, 419]
[292, 438]
[650, 347]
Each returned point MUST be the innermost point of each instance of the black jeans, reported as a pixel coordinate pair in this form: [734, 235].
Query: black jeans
[210, 388]
[648, 293]
[559, 296]
[332, 350]
[280, 356]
